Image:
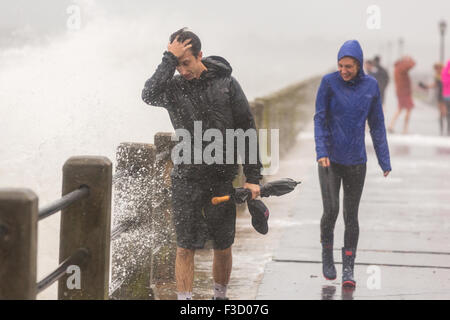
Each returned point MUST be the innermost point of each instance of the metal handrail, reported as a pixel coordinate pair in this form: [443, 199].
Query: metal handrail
[81, 254]
[78, 258]
[64, 202]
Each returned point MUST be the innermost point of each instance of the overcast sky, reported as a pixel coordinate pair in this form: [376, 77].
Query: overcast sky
[264, 32]
[415, 20]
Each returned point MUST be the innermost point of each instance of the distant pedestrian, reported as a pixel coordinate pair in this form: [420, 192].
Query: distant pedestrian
[374, 69]
[345, 101]
[369, 67]
[437, 85]
[404, 91]
[445, 78]
[382, 77]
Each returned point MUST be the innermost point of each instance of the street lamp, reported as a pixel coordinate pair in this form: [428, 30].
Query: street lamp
[442, 27]
[401, 42]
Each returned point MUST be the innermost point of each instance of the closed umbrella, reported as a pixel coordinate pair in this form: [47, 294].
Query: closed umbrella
[273, 188]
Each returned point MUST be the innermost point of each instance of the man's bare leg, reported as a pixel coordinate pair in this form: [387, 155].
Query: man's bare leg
[222, 264]
[184, 270]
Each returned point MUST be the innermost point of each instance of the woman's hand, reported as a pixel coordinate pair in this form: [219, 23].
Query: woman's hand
[324, 162]
[386, 173]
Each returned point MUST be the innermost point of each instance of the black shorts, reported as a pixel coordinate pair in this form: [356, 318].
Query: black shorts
[196, 220]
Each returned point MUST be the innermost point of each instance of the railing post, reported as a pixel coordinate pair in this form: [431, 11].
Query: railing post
[18, 244]
[133, 201]
[163, 259]
[87, 224]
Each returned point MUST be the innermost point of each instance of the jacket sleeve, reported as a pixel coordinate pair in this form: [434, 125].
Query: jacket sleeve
[321, 130]
[378, 133]
[243, 119]
[157, 90]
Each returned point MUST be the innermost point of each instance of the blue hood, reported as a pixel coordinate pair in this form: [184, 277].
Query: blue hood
[342, 110]
[352, 48]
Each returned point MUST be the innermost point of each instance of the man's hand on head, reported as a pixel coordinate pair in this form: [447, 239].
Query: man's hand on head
[178, 48]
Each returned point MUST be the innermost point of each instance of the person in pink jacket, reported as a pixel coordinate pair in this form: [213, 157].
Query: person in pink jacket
[445, 78]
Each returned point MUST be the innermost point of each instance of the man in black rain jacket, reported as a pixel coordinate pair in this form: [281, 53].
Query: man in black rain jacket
[203, 93]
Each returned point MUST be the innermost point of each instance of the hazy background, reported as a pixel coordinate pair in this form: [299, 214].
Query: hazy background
[67, 92]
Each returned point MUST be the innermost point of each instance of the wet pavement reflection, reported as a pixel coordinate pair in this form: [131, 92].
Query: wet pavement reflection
[347, 293]
[329, 292]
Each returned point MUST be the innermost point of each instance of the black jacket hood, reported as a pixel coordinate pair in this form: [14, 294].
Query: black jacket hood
[217, 67]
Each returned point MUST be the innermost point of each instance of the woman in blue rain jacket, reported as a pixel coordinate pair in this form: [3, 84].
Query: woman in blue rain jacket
[345, 100]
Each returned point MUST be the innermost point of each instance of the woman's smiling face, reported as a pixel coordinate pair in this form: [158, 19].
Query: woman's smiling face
[348, 68]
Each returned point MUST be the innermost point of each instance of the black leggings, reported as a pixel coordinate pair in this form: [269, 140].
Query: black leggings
[352, 178]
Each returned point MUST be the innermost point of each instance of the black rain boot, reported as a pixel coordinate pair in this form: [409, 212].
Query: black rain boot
[348, 263]
[328, 268]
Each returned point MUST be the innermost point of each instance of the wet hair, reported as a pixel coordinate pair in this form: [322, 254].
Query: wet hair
[183, 34]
